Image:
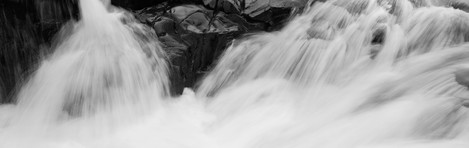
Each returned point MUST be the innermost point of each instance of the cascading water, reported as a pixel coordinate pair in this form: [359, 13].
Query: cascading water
[345, 73]
[101, 75]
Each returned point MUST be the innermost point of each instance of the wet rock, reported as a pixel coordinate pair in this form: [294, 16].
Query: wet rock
[53, 14]
[196, 19]
[460, 4]
[177, 51]
[462, 77]
[253, 8]
[139, 4]
[271, 12]
[19, 41]
[193, 37]
[136, 4]
[227, 6]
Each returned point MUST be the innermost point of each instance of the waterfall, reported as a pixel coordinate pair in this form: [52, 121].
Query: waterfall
[343, 73]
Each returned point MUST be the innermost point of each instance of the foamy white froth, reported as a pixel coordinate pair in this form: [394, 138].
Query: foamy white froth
[345, 73]
[99, 77]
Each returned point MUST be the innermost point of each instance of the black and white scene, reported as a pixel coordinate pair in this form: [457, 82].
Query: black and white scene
[234, 73]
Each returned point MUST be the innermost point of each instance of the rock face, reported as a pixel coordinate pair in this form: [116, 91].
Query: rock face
[18, 40]
[27, 27]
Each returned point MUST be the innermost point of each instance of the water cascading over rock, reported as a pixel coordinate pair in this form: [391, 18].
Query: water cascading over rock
[358, 73]
[102, 67]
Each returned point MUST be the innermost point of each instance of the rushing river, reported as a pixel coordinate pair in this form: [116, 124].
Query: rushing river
[343, 74]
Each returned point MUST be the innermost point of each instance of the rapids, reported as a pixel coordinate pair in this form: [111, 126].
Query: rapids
[342, 74]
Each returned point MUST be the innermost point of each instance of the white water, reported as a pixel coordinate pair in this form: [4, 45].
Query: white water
[317, 83]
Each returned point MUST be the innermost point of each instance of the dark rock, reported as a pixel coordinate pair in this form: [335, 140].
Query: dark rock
[271, 12]
[462, 77]
[197, 19]
[460, 4]
[136, 4]
[18, 45]
[177, 51]
[193, 37]
[139, 4]
[53, 14]
[224, 5]
[253, 8]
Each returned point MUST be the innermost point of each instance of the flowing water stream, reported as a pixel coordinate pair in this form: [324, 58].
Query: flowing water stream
[343, 74]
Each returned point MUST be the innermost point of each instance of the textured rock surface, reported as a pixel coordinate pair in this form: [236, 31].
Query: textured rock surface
[270, 12]
[253, 8]
[193, 37]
